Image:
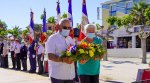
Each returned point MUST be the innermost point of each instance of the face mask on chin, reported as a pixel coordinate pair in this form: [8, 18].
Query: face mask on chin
[90, 35]
[65, 32]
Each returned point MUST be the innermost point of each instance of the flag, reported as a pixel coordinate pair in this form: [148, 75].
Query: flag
[58, 16]
[84, 14]
[70, 12]
[43, 35]
[31, 28]
[71, 34]
[82, 34]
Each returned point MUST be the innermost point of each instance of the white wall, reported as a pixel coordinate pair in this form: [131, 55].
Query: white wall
[125, 52]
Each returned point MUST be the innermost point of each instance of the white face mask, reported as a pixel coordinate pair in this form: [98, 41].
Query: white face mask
[65, 32]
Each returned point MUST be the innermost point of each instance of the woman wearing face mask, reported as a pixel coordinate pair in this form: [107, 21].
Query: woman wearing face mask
[88, 70]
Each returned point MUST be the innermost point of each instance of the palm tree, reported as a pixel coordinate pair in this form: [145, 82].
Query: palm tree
[140, 16]
[52, 23]
[64, 15]
[3, 25]
[15, 32]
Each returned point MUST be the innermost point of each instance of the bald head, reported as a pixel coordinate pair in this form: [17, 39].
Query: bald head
[64, 24]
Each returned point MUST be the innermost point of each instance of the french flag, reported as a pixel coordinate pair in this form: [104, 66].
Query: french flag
[70, 12]
[70, 18]
[84, 14]
[58, 16]
[31, 28]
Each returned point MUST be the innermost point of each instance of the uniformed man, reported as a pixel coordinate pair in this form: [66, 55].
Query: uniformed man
[23, 56]
[5, 55]
[12, 49]
[17, 54]
[32, 57]
[40, 57]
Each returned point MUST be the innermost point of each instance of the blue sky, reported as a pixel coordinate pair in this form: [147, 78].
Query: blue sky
[17, 12]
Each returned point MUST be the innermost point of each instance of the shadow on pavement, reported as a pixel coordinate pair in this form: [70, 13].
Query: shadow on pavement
[123, 62]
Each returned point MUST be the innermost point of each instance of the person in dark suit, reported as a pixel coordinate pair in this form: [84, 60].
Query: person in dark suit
[32, 57]
[1, 52]
[23, 56]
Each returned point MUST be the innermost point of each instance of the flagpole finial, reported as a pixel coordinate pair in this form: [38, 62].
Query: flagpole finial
[57, 2]
[30, 9]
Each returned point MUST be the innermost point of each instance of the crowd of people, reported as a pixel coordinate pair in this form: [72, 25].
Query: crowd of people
[19, 54]
[61, 70]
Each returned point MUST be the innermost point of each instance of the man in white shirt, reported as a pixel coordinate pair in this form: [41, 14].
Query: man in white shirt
[12, 49]
[17, 54]
[61, 69]
[40, 57]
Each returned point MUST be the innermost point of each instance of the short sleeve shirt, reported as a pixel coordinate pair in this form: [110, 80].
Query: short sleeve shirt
[56, 44]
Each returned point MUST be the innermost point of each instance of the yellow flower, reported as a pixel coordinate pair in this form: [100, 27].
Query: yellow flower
[89, 45]
[81, 51]
[91, 53]
[86, 52]
[68, 54]
[92, 49]
[99, 50]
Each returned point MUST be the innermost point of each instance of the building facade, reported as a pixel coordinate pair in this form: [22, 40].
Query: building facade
[121, 8]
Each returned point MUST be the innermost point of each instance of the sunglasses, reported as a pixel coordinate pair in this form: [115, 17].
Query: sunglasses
[66, 27]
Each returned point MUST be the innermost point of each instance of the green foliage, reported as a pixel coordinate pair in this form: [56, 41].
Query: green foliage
[3, 25]
[49, 32]
[52, 20]
[119, 22]
[127, 20]
[41, 17]
[138, 13]
[111, 20]
[64, 15]
[15, 31]
[24, 32]
[37, 27]
[3, 32]
[98, 26]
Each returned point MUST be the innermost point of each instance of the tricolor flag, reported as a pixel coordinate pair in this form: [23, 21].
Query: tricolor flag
[43, 35]
[70, 12]
[84, 14]
[70, 18]
[82, 34]
[31, 28]
[58, 16]
[84, 20]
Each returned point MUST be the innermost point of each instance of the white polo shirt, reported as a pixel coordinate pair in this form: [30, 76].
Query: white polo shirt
[40, 49]
[56, 44]
[17, 48]
[12, 46]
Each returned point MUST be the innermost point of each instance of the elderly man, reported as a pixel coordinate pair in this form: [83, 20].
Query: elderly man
[62, 69]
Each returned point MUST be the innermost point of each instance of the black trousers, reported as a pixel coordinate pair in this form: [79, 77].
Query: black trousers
[76, 75]
[5, 61]
[18, 61]
[89, 78]
[24, 64]
[53, 80]
[40, 64]
[0, 60]
[13, 59]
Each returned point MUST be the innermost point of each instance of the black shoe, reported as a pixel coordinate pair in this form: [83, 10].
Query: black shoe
[12, 68]
[40, 73]
[32, 72]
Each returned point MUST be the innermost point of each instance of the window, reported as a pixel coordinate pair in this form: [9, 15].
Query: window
[129, 5]
[147, 1]
[113, 10]
[105, 6]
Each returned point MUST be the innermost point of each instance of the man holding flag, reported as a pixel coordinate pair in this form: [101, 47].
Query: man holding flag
[32, 52]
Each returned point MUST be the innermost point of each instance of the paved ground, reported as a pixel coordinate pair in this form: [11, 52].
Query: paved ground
[116, 70]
